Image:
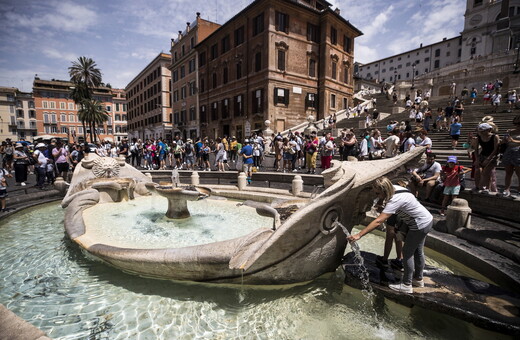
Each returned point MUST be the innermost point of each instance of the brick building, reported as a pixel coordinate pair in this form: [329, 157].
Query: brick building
[275, 60]
[149, 101]
[56, 112]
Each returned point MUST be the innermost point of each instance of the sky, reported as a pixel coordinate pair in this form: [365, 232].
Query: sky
[44, 37]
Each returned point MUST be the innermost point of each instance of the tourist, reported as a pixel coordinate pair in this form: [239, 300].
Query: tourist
[50, 171]
[427, 119]
[375, 145]
[257, 153]
[328, 152]
[473, 95]
[511, 99]
[123, 150]
[363, 146]
[495, 100]
[451, 178]
[247, 159]
[41, 164]
[3, 188]
[21, 163]
[398, 200]
[76, 156]
[349, 145]
[233, 149]
[455, 132]
[189, 154]
[205, 151]
[391, 143]
[311, 154]
[61, 155]
[8, 151]
[176, 150]
[288, 152]
[511, 157]
[408, 143]
[486, 150]
[220, 153]
[426, 176]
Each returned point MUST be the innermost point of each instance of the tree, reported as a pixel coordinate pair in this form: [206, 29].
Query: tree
[92, 114]
[86, 76]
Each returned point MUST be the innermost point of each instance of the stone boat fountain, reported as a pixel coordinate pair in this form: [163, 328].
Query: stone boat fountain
[299, 248]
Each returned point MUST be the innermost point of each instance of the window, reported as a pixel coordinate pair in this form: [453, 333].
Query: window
[175, 75]
[281, 96]
[426, 59]
[117, 118]
[311, 101]
[214, 80]
[258, 24]
[214, 111]
[281, 60]
[225, 75]
[312, 68]
[183, 92]
[258, 101]
[239, 70]
[346, 75]
[282, 22]
[53, 118]
[71, 118]
[333, 70]
[64, 129]
[63, 117]
[313, 33]
[238, 105]
[71, 106]
[332, 101]
[108, 108]
[345, 103]
[203, 117]
[438, 52]
[239, 36]
[225, 108]
[52, 105]
[62, 106]
[258, 61]
[225, 42]
[191, 65]
[202, 88]
[214, 51]
[347, 44]
[202, 59]
[477, 3]
[448, 53]
[333, 36]
[192, 88]
[192, 113]
[175, 96]
[176, 118]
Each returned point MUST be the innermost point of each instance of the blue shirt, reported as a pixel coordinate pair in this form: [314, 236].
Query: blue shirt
[163, 147]
[455, 128]
[247, 150]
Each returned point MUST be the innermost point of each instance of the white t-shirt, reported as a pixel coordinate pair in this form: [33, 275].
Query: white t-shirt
[431, 170]
[409, 145]
[3, 173]
[408, 208]
[42, 160]
[496, 98]
[391, 145]
[426, 141]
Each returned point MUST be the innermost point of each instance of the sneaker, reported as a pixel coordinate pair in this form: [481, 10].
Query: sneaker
[23, 184]
[381, 262]
[397, 264]
[506, 193]
[401, 287]
[484, 192]
[418, 283]
[442, 213]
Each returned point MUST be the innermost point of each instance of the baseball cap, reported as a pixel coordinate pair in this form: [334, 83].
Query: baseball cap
[452, 159]
[40, 145]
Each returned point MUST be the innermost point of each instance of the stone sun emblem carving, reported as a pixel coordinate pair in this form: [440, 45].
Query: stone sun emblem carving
[105, 167]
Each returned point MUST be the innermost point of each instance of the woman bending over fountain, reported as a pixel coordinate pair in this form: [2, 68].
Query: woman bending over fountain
[398, 200]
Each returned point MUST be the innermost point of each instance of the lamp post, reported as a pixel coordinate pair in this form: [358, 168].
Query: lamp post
[413, 76]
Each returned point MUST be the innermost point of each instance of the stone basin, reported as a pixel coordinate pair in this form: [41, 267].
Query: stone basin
[304, 246]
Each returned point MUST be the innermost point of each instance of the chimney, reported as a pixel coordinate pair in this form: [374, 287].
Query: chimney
[337, 11]
[198, 15]
[420, 46]
[187, 27]
[173, 42]
[180, 35]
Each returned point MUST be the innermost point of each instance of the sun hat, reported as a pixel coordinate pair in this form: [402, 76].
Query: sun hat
[484, 127]
[41, 145]
[452, 159]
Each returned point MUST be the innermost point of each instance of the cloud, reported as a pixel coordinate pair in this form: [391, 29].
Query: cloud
[58, 15]
[55, 54]
[365, 54]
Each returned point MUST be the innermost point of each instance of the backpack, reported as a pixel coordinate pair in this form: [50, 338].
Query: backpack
[188, 149]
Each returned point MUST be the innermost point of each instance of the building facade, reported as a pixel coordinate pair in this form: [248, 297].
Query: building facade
[149, 101]
[17, 114]
[57, 114]
[185, 80]
[490, 27]
[275, 60]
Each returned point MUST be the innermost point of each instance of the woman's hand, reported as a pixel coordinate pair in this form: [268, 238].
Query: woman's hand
[354, 238]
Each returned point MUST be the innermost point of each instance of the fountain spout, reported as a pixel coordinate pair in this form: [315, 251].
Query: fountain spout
[177, 199]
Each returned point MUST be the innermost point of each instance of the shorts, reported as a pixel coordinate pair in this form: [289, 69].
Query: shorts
[3, 193]
[177, 155]
[455, 137]
[511, 101]
[511, 156]
[205, 157]
[247, 167]
[451, 190]
[162, 156]
[62, 167]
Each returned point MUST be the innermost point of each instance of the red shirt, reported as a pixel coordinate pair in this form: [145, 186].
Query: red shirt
[451, 175]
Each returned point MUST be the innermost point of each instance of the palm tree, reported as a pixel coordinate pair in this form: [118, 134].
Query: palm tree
[86, 76]
[92, 114]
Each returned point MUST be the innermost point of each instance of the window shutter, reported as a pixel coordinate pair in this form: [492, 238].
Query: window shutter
[275, 96]
[307, 101]
[286, 28]
[277, 20]
[286, 97]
